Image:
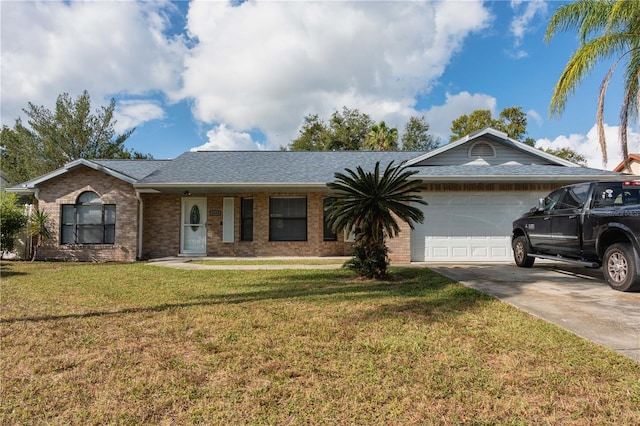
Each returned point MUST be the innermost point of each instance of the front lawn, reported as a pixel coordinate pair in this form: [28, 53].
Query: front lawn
[141, 344]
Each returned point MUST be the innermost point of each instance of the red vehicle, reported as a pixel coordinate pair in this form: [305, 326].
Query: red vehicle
[594, 224]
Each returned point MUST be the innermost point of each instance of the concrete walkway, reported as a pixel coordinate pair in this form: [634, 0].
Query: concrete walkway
[181, 262]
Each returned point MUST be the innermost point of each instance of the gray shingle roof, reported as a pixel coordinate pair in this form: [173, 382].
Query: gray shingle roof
[319, 167]
[136, 169]
[262, 167]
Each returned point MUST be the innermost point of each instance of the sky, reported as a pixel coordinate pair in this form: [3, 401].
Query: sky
[242, 75]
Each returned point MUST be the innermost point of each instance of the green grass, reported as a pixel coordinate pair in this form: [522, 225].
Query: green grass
[140, 344]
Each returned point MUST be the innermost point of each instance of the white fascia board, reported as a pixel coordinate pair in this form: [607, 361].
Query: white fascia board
[517, 178]
[275, 185]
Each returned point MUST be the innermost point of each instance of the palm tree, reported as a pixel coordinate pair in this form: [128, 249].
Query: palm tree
[382, 138]
[37, 228]
[368, 204]
[608, 30]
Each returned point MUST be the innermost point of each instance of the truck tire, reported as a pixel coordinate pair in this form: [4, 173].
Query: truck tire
[520, 252]
[620, 267]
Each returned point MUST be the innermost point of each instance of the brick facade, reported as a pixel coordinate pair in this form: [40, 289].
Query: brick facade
[161, 221]
[65, 189]
[162, 217]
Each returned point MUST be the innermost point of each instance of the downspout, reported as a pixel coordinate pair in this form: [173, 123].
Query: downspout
[140, 222]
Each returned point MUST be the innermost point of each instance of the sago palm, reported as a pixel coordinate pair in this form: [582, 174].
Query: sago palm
[38, 229]
[608, 30]
[368, 204]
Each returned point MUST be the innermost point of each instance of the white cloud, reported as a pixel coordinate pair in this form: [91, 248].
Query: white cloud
[259, 65]
[440, 117]
[266, 65]
[222, 138]
[522, 20]
[533, 114]
[103, 47]
[132, 113]
[589, 147]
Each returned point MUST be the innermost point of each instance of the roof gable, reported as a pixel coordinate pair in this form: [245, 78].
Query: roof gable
[129, 171]
[488, 147]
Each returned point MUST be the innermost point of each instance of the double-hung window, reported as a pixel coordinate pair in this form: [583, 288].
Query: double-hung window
[246, 219]
[288, 219]
[88, 221]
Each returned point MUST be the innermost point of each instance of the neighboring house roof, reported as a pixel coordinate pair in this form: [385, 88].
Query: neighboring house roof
[633, 158]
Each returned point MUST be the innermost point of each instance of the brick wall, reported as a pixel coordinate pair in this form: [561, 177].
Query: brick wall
[65, 189]
[160, 225]
[161, 228]
[162, 216]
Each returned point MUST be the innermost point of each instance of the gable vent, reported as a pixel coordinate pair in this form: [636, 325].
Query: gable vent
[481, 150]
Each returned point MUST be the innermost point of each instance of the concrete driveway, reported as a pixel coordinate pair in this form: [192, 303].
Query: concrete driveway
[572, 297]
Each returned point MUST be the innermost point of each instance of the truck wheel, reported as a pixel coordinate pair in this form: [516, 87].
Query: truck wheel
[520, 251]
[620, 267]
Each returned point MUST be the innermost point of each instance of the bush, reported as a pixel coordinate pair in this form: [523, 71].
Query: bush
[12, 221]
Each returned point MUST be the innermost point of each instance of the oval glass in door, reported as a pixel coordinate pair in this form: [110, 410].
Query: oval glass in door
[194, 227]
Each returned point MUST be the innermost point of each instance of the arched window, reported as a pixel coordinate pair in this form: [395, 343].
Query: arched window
[88, 221]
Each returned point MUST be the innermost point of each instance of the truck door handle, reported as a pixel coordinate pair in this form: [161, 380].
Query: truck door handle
[547, 218]
[573, 216]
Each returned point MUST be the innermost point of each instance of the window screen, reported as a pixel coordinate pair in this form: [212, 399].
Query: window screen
[288, 219]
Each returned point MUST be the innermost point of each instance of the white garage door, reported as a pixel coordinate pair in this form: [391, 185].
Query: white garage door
[468, 226]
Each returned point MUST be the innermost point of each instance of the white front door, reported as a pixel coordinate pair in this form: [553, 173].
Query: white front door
[193, 230]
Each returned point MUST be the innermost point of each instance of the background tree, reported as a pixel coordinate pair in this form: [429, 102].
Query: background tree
[314, 135]
[607, 30]
[568, 154]
[12, 221]
[348, 130]
[369, 203]
[512, 121]
[381, 138]
[416, 136]
[53, 138]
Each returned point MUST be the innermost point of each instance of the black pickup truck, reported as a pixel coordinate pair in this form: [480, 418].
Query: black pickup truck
[593, 224]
